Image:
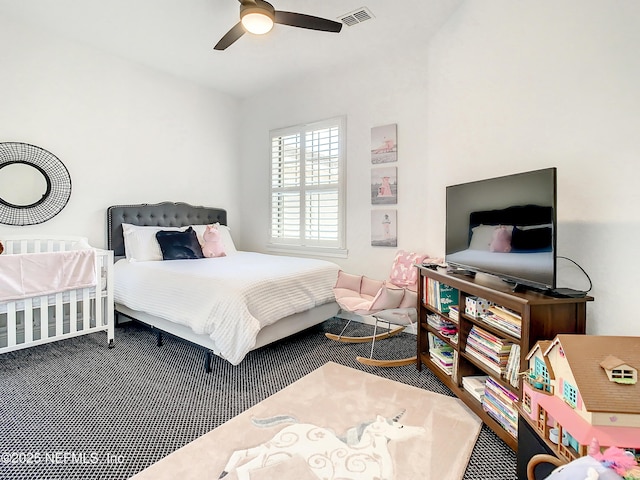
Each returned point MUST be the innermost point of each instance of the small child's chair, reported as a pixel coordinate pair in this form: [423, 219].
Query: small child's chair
[392, 302]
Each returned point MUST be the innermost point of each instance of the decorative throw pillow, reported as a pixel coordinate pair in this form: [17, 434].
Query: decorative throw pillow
[140, 243]
[176, 245]
[532, 239]
[212, 245]
[403, 272]
[388, 297]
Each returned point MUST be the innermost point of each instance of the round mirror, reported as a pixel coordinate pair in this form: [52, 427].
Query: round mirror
[34, 185]
[22, 185]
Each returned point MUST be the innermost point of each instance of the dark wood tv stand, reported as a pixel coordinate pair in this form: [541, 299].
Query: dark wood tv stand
[543, 317]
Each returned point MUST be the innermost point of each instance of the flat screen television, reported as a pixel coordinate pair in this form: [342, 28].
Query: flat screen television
[505, 226]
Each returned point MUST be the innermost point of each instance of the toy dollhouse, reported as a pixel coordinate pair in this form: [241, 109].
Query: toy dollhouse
[581, 387]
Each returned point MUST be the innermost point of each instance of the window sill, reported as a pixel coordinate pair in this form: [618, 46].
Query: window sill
[308, 251]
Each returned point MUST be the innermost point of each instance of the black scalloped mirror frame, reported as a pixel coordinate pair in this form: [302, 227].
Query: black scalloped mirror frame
[57, 177]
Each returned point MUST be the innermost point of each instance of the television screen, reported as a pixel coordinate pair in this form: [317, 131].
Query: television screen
[505, 226]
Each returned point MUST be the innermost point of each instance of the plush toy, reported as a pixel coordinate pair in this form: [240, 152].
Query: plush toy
[1, 248]
[501, 240]
[212, 246]
[612, 464]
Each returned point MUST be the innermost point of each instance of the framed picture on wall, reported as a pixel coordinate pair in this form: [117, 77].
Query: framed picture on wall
[384, 144]
[384, 231]
[384, 186]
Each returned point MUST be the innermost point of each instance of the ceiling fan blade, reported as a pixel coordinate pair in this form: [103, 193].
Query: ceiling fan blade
[231, 36]
[307, 21]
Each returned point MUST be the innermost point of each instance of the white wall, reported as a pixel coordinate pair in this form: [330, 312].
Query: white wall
[504, 87]
[369, 96]
[125, 133]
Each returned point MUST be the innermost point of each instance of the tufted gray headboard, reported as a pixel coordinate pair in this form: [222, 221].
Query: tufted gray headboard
[165, 214]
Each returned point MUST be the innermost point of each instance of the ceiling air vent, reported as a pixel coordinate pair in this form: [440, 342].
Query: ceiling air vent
[357, 16]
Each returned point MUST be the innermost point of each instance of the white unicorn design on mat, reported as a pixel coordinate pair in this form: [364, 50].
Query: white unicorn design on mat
[366, 456]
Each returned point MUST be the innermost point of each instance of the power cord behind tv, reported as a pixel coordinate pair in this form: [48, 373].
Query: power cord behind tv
[563, 292]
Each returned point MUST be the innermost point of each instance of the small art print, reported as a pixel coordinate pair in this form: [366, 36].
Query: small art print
[384, 144]
[384, 232]
[384, 186]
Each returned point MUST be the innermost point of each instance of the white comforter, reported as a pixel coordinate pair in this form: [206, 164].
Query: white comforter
[229, 298]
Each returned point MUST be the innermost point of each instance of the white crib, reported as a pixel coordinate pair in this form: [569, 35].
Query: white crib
[46, 318]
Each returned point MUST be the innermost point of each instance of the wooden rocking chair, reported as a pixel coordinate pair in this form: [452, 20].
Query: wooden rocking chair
[392, 303]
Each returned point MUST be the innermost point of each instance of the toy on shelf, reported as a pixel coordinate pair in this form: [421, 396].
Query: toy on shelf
[576, 389]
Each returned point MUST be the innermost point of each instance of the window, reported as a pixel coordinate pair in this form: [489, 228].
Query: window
[541, 372]
[621, 373]
[570, 394]
[307, 193]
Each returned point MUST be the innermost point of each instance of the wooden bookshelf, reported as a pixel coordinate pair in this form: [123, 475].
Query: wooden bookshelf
[542, 318]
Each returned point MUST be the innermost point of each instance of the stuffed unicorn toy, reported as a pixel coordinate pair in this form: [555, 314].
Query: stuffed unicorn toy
[212, 245]
[501, 240]
[612, 464]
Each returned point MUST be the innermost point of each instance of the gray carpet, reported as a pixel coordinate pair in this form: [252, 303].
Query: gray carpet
[75, 409]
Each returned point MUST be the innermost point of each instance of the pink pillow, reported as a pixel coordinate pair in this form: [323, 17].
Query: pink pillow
[212, 245]
[348, 281]
[370, 287]
[410, 299]
[388, 297]
[403, 272]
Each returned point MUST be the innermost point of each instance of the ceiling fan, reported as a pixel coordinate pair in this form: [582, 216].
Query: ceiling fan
[258, 17]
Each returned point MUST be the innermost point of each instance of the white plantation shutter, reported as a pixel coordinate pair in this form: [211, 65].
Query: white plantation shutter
[307, 164]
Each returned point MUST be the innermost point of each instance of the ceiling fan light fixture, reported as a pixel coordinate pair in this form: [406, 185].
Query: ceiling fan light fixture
[258, 17]
[257, 20]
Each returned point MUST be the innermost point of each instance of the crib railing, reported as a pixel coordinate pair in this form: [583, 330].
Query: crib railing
[46, 318]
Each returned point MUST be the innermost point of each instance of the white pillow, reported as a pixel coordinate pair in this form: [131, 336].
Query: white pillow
[140, 243]
[532, 227]
[225, 235]
[482, 235]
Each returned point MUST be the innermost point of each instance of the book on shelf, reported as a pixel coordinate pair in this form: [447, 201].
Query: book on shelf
[500, 403]
[475, 385]
[441, 353]
[440, 295]
[507, 395]
[488, 349]
[507, 414]
[435, 341]
[442, 359]
[513, 366]
[447, 296]
[484, 361]
[444, 326]
[454, 313]
[454, 369]
[509, 313]
[504, 320]
[498, 417]
[444, 365]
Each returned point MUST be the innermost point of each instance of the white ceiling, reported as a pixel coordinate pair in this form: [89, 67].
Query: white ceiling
[177, 36]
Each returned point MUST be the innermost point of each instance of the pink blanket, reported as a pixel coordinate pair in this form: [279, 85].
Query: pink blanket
[34, 274]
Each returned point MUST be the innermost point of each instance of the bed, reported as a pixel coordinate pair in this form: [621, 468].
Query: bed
[40, 305]
[227, 305]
